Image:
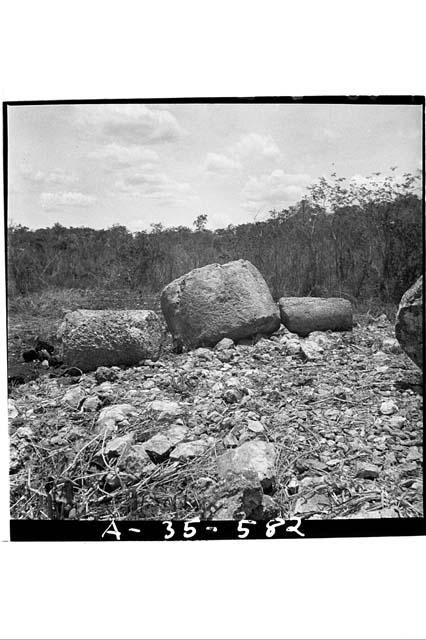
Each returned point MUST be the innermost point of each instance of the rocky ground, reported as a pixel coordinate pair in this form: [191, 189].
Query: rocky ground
[326, 427]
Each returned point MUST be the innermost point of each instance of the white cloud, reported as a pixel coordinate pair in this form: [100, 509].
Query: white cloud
[130, 123]
[154, 186]
[122, 157]
[274, 190]
[220, 163]
[50, 201]
[56, 177]
[252, 150]
[256, 146]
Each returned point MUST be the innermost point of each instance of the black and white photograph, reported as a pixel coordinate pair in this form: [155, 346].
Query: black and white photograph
[215, 317]
[212, 320]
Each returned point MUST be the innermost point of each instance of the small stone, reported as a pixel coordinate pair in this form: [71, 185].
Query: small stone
[106, 374]
[12, 410]
[320, 338]
[148, 384]
[158, 447]
[396, 422]
[316, 504]
[292, 346]
[204, 354]
[136, 461]
[230, 440]
[311, 350]
[413, 454]
[255, 455]
[232, 395]
[166, 409]
[256, 426]
[44, 364]
[367, 471]
[388, 407]
[116, 413]
[92, 403]
[24, 432]
[115, 447]
[176, 433]
[391, 345]
[186, 450]
[74, 396]
[225, 344]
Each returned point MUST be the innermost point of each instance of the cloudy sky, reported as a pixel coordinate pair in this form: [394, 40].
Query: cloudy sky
[138, 164]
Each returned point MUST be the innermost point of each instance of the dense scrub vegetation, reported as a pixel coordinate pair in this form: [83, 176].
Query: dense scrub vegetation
[360, 240]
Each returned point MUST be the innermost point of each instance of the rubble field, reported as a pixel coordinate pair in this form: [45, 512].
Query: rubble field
[330, 426]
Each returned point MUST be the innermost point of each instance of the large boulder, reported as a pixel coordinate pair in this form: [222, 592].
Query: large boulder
[94, 338]
[217, 301]
[304, 315]
[409, 322]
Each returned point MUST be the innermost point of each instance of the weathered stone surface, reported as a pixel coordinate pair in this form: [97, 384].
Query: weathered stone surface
[254, 455]
[219, 301]
[110, 416]
[166, 409]
[311, 350]
[159, 446]
[106, 374]
[74, 397]
[12, 410]
[239, 497]
[304, 315]
[224, 344]
[92, 403]
[367, 470]
[115, 448]
[135, 461]
[92, 338]
[409, 322]
[186, 450]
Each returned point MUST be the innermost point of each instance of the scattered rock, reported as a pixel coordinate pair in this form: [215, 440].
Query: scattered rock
[158, 447]
[414, 453]
[311, 350]
[255, 455]
[106, 374]
[92, 403]
[12, 410]
[317, 504]
[203, 353]
[186, 450]
[93, 338]
[115, 448]
[24, 432]
[409, 322]
[225, 344]
[388, 407]
[219, 301]
[304, 315]
[136, 462]
[240, 497]
[256, 426]
[391, 345]
[396, 422]
[110, 416]
[320, 338]
[367, 471]
[74, 397]
[292, 346]
[166, 409]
